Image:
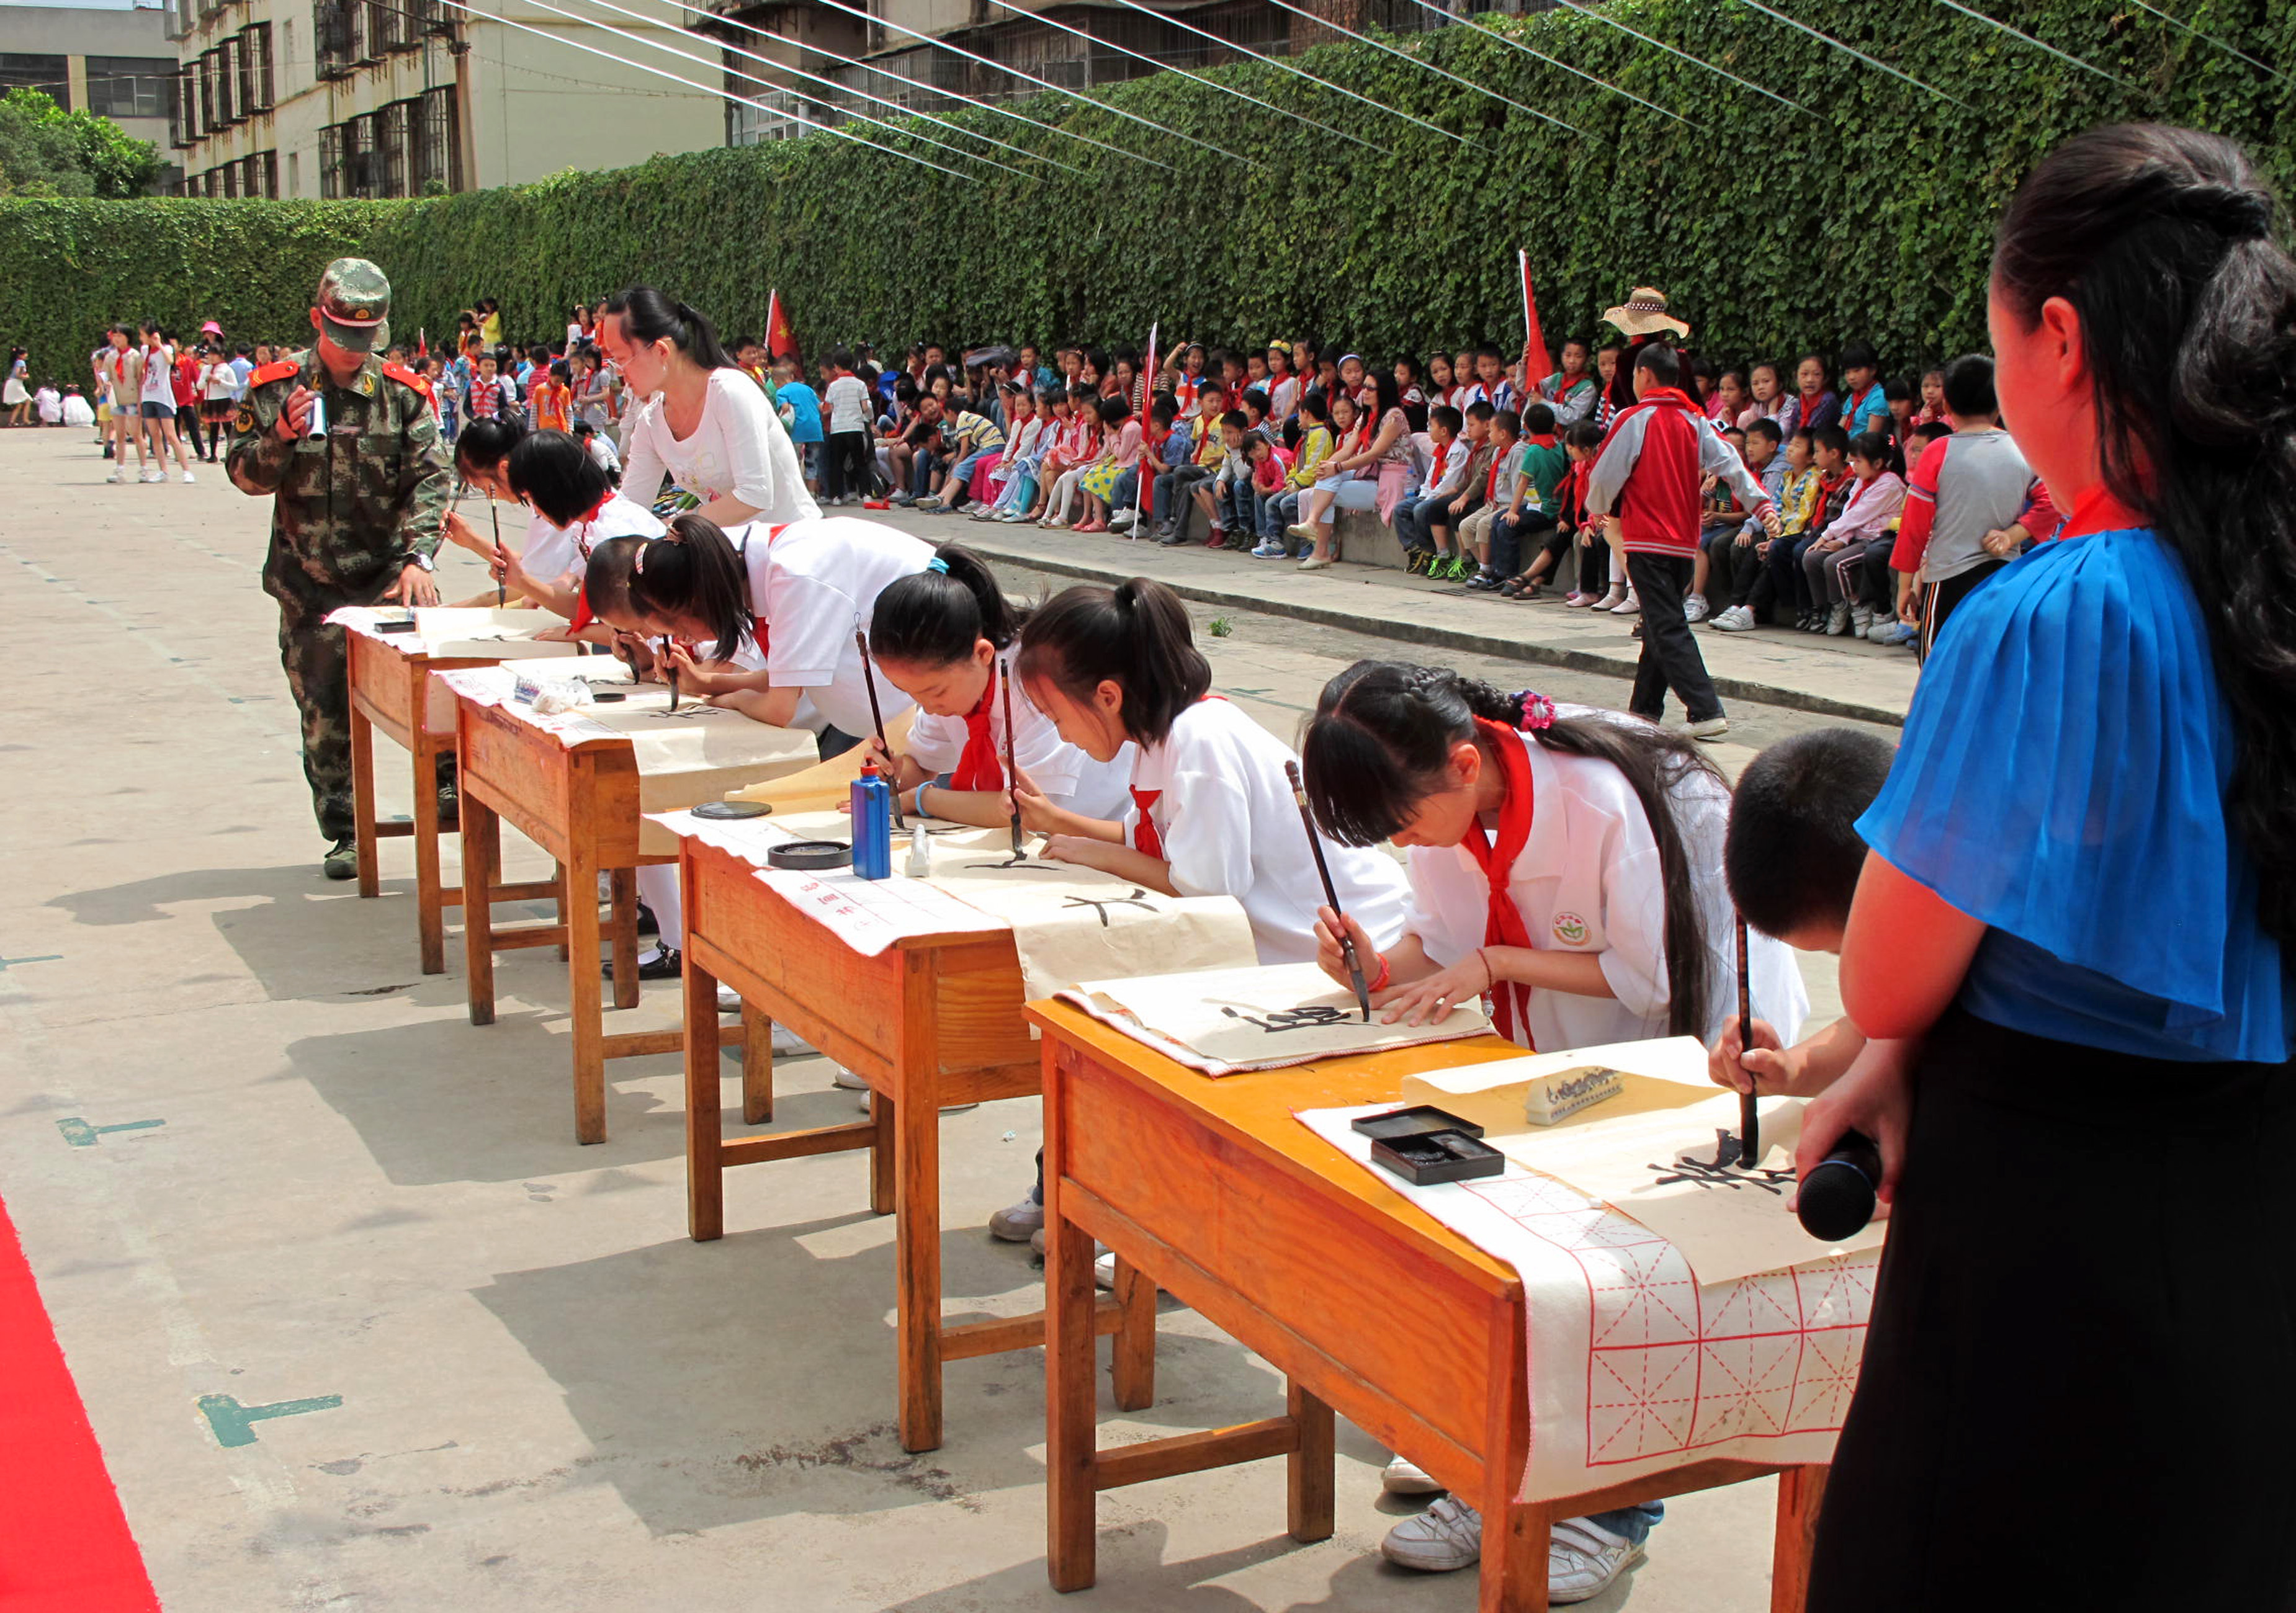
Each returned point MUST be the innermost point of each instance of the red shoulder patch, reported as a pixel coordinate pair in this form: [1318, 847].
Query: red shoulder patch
[401, 373]
[270, 372]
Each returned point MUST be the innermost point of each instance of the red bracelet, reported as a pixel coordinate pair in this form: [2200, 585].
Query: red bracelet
[1385, 975]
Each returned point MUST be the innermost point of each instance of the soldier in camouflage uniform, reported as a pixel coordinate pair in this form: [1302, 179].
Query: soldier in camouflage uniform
[356, 516]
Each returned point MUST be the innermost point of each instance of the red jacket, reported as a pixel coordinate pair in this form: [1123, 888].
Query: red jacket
[1649, 470]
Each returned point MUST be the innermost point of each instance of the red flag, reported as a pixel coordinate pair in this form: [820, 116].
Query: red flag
[780, 341]
[1537, 367]
[422, 344]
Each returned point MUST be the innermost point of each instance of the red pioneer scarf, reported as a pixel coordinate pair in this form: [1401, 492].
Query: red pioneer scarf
[1502, 924]
[978, 767]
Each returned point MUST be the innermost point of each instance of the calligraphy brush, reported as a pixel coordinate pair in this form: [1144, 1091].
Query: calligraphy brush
[1750, 1133]
[1315, 845]
[670, 672]
[877, 715]
[1011, 768]
[502, 591]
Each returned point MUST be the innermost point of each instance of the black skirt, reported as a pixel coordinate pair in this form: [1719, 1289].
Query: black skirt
[2080, 1383]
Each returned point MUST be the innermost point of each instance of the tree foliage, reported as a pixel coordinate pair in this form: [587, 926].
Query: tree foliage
[45, 150]
[1865, 214]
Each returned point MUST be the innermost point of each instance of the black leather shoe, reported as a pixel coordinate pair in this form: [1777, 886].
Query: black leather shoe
[647, 923]
[668, 965]
[450, 809]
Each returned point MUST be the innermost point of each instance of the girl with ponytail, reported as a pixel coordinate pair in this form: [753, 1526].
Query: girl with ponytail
[1568, 866]
[1212, 813]
[2074, 922]
[574, 510]
[945, 636]
[704, 422]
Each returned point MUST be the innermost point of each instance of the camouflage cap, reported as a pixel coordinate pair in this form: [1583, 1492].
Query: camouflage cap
[355, 305]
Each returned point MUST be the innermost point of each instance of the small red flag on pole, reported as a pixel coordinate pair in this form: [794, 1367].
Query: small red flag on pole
[1537, 367]
[780, 341]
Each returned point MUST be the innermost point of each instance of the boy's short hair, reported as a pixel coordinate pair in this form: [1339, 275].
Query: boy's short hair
[1238, 418]
[1447, 417]
[1479, 410]
[1508, 422]
[1538, 419]
[1793, 854]
[1583, 434]
[1764, 426]
[1164, 410]
[1490, 349]
[1050, 395]
[1661, 361]
[1830, 436]
[1969, 387]
[1256, 397]
[1860, 356]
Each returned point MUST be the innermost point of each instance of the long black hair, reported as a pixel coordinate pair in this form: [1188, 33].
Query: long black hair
[933, 617]
[553, 471]
[650, 315]
[695, 571]
[2161, 240]
[1135, 635]
[486, 442]
[1379, 743]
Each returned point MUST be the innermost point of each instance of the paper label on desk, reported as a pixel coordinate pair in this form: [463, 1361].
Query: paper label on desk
[1640, 1360]
[1224, 1020]
[869, 915]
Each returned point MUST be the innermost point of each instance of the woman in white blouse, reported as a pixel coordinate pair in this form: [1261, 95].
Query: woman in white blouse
[704, 424]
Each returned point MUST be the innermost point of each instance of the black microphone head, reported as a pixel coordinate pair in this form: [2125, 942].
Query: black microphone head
[1836, 1201]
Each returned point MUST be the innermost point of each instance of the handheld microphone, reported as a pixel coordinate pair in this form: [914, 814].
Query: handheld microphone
[1837, 1198]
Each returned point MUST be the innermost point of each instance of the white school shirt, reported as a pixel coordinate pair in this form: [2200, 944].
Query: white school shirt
[1065, 773]
[1589, 880]
[553, 550]
[51, 403]
[739, 450]
[847, 400]
[1230, 826]
[158, 385]
[813, 585]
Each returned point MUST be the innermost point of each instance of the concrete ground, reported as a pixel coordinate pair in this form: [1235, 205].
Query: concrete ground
[253, 1154]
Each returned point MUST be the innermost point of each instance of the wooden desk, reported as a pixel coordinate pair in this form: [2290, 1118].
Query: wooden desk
[579, 801]
[932, 1020]
[1369, 1305]
[391, 690]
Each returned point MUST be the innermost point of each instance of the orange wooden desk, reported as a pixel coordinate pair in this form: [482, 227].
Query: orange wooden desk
[1367, 1305]
[391, 690]
[930, 1021]
[580, 802]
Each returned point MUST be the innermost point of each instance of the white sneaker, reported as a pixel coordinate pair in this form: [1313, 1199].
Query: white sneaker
[1861, 621]
[1124, 518]
[116, 477]
[1584, 1559]
[1445, 1538]
[1403, 1477]
[1694, 608]
[1632, 605]
[1612, 601]
[787, 1044]
[1712, 728]
[188, 479]
[1314, 562]
[1737, 618]
[1837, 621]
[729, 1000]
[1575, 599]
[846, 1079]
[1017, 1223]
[151, 476]
[1103, 1265]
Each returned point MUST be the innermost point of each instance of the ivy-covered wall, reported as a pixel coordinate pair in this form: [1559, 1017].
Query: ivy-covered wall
[1771, 229]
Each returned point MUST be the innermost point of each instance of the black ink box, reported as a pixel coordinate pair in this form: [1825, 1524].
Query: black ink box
[408, 625]
[1431, 1156]
[1414, 1122]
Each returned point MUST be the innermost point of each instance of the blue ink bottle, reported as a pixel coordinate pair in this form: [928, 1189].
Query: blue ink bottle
[872, 824]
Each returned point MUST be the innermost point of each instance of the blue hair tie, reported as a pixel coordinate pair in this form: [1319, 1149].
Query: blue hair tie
[937, 564]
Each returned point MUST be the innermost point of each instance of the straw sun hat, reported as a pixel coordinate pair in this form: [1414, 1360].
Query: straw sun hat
[1643, 313]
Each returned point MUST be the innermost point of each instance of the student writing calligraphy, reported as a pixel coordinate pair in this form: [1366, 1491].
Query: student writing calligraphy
[1568, 866]
[575, 509]
[945, 636]
[1212, 813]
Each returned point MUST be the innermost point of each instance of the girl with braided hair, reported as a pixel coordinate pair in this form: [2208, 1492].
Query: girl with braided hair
[1567, 865]
[2072, 928]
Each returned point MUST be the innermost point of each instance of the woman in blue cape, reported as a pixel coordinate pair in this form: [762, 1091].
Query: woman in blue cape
[2069, 942]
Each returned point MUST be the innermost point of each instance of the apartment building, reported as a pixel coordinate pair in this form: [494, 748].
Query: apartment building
[118, 64]
[386, 98]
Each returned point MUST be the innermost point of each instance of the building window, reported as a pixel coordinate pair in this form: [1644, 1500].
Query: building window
[261, 84]
[330, 162]
[188, 128]
[230, 67]
[363, 177]
[130, 87]
[395, 147]
[48, 74]
[439, 146]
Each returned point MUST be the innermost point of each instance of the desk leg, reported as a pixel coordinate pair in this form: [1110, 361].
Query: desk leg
[565, 951]
[705, 1116]
[1132, 1350]
[1801, 1496]
[481, 859]
[916, 1242]
[880, 1155]
[430, 911]
[1514, 1553]
[363, 813]
[586, 1002]
[1311, 1470]
[757, 1063]
[623, 884]
[1071, 1365]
